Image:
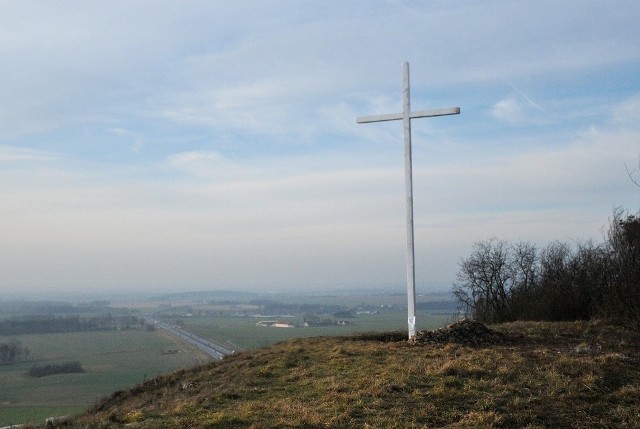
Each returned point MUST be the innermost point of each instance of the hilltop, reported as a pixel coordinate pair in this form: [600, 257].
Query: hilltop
[523, 374]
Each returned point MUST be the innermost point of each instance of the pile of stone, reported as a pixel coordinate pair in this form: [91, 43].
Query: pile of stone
[465, 332]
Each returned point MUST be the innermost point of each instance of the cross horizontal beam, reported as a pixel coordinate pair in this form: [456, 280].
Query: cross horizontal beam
[398, 116]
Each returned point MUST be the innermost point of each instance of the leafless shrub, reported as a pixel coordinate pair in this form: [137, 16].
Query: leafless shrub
[500, 282]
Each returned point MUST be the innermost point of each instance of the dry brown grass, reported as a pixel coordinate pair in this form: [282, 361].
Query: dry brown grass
[549, 375]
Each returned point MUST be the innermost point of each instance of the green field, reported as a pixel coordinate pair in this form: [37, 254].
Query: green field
[112, 360]
[243, 332]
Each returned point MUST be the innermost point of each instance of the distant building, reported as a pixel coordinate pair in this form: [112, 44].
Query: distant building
[282, 325]
[274, 324]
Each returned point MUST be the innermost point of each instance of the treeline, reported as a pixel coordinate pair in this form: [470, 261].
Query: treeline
[50, 325]
[503, 282]
[12, 352]
[65, 368]
[22, 308]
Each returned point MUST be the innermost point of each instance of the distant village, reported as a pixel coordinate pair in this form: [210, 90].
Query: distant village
[312, 315]
[288, 315]
[305, 324]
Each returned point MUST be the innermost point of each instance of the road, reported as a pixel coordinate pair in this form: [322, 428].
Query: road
[214, 350]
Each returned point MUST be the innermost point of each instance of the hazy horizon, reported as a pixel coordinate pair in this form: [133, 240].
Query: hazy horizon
[117, 296]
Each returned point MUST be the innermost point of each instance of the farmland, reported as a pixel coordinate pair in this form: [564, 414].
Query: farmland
[234, 318]
[243, 332]
[112, 360]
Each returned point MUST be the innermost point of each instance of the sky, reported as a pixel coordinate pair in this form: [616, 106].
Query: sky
[206, 145]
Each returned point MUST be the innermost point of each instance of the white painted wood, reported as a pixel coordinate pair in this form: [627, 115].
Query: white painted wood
[408, 180]
[379, 118]
[412, 115]
[435, 112]
[406, 117]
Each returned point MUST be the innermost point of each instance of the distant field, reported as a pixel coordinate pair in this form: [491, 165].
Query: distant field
[243, 332]
[112, 360]
[13, 415]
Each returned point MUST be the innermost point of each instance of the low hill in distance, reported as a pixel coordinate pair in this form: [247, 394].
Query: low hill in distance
[517, 375]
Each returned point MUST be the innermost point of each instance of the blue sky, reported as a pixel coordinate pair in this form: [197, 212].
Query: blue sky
[179, 145]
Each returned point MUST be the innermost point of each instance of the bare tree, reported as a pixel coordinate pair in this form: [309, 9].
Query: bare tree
[485, 281]
[500, 282]
[624, 286]
[634, 174]
[524, 264]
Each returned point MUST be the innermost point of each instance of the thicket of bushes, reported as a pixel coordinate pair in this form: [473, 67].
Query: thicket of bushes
[502, 282]
[12, 352]
[65, 368]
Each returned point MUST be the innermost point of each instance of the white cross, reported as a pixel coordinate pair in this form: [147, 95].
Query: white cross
[406, 117]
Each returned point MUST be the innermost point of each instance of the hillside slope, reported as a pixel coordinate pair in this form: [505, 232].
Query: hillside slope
[541, 375]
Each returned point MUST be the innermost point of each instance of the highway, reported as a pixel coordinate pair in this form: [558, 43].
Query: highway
[214, 350]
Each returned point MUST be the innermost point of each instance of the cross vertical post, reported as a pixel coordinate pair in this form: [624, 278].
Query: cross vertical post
[408, 181]
[406, 117]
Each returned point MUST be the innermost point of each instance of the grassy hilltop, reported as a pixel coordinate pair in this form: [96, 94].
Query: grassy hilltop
[541, 375]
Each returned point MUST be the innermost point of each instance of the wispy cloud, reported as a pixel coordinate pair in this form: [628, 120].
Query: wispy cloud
[12, 154]
[508, 110]
[627, 112]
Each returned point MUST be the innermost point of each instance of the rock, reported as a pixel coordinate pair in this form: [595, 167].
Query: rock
[55, 422]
